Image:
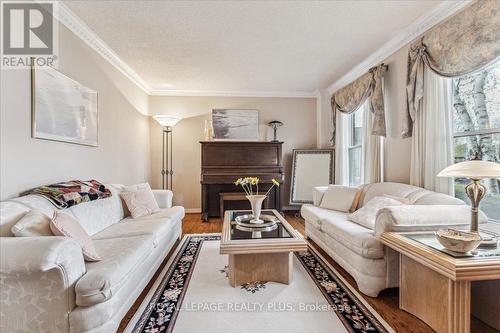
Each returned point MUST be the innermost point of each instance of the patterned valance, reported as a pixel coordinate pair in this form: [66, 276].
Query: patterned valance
[462, 44]
[351, 97]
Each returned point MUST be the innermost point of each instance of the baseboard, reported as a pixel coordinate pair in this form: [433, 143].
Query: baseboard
[192, 210]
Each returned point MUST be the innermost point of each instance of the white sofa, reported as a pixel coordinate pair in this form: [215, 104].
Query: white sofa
[47, 287]
[358, 250]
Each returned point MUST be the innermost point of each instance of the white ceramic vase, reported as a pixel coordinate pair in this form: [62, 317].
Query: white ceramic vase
[256, 203]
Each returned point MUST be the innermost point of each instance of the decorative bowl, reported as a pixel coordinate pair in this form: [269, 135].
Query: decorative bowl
[458, 241]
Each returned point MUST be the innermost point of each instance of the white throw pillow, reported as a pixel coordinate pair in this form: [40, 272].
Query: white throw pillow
[338, 197]
[34, 223]
[367, 214]
[140, 200]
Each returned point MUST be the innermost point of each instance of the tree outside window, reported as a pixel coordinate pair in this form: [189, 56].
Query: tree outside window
[476, 128]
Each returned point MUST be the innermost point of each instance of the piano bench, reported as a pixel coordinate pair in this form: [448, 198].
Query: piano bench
[229, 196]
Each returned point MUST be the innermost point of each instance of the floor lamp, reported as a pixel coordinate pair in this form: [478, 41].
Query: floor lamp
[167, 172]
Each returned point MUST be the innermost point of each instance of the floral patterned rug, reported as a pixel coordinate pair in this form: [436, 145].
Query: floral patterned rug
[193, 295]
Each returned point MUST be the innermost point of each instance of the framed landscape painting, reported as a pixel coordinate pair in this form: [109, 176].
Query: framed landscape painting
[62, 109]
[235, 124]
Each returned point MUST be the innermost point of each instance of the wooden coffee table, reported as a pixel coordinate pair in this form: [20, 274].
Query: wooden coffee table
[435, 285]
[268, 258]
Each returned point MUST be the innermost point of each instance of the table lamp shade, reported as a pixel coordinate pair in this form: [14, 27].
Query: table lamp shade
[474, 169]
[167, 121]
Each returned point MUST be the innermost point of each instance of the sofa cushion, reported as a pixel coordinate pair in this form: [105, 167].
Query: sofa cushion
[394, 189]
[120, 258]
[34, 223]
[10, 213]
[36, 202]
[410, 218]
[314, 215]
[338, 198]
[357, 238]
[366, 215]
[156, 225]
[97, 215]
[317, 194]
[433, 198]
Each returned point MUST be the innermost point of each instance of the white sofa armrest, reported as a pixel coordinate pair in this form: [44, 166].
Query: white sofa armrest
[423, 218]
[163, 198]
[318, 193]
[38, 275]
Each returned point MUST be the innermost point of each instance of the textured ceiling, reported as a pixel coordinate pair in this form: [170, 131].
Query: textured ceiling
[246, 46]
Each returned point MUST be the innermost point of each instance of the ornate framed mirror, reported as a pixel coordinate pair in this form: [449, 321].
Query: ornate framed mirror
[310, 168]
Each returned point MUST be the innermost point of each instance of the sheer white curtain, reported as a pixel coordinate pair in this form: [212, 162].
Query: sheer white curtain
[432, 146]
[372, 168]
[341, 153]
[371, 149]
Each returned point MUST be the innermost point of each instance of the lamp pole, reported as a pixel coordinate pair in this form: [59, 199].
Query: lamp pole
[167, 173]
[167, 159]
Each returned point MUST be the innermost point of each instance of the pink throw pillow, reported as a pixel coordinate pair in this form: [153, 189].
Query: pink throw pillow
[140, 202]
[65, 225]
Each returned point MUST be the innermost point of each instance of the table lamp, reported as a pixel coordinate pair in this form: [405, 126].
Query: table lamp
[274, 125]
[475, 170]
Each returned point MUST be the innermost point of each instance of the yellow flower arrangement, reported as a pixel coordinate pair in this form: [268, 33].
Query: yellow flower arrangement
[247, 184]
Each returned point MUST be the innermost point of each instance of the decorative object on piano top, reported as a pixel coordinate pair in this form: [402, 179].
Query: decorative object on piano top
[209, 130]
[256, 199]
[274, 125]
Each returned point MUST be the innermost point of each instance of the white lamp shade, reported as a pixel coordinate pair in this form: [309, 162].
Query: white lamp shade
[166, 121]
[475, 169]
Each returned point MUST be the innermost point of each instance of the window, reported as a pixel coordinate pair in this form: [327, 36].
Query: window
[476, 129]
[355, 134]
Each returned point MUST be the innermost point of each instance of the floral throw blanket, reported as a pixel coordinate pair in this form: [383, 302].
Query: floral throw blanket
[73, 192]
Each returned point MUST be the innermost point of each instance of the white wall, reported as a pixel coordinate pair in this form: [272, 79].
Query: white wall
[298, 131]
[123, 154]
[397, 150]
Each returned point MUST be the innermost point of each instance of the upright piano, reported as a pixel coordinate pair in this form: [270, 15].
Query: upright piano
[222, 162]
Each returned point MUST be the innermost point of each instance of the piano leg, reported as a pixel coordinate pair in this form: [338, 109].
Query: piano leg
[204, 204]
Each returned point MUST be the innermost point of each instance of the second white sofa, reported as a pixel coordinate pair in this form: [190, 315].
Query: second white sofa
[357, 248]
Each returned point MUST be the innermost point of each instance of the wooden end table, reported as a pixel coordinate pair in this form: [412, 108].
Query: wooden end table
[268, 258]
[434, 284]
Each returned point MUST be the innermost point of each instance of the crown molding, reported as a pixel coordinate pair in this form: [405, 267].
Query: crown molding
[215, 93]
[81, 30]
[418, 27]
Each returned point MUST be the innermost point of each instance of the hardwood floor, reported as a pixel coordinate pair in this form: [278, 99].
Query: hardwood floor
[386, 304]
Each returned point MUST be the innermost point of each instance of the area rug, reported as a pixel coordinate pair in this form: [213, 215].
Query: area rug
[192, 294]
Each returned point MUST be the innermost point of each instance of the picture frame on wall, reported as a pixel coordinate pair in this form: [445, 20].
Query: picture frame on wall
[63, 109]
[235, 124]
